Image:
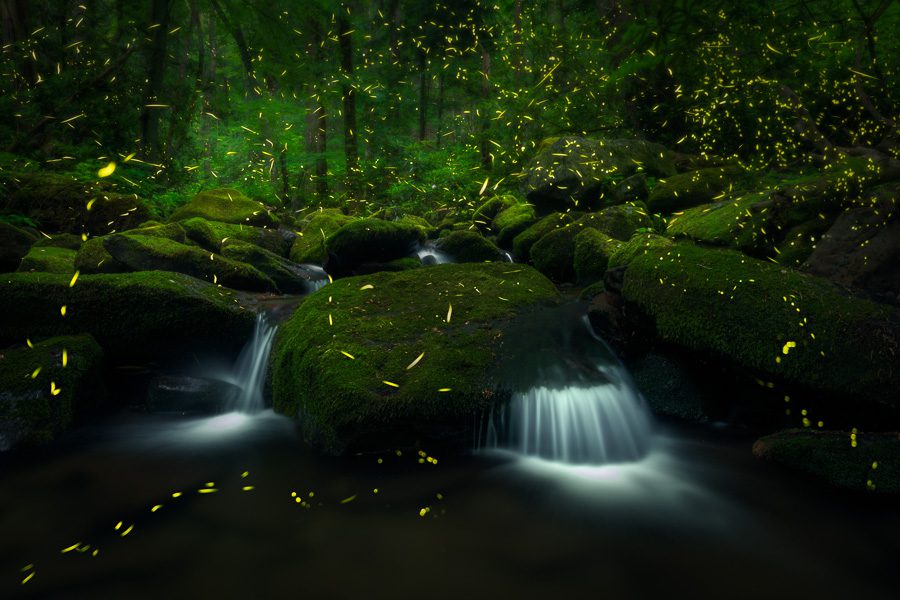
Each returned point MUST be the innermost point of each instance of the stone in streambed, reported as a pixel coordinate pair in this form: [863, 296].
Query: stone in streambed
[331, 359]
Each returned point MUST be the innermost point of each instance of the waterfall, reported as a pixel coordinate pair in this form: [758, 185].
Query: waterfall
[429, 255]
[250, 369]
[580, 407]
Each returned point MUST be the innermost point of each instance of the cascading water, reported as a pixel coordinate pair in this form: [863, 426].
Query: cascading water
[429, 255]
[577, 404]
[250, 369]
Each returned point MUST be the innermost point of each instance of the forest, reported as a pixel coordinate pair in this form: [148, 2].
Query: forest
[459, 298]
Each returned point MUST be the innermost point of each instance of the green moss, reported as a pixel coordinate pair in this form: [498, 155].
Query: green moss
[485, 213]
[289, 277]
[469, 246]
[685, 190]
[591, 291]
[49, 260]
[30, 376]
[523, 242]
[61, 240]
[132, 315]
[734, 222]
[638, 245]
[873, 465]
[309, 246]
[147, 253]
[592, 252]
[211, 234]
[618, 222]
[511, 222]
[227, 206]
[14, 245]
[746, 311]
[343, 402]
[92, 257]
[370, 241]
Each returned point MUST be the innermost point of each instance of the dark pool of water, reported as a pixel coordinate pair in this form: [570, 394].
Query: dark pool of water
[698, 518]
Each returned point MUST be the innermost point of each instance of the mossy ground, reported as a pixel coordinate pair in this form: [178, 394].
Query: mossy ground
[344, 402]
[783, 324]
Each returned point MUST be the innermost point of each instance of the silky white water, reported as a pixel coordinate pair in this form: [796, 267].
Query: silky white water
[250, 369]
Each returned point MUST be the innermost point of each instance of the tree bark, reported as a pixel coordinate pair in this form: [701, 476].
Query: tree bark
[351, 150]
[156, 64]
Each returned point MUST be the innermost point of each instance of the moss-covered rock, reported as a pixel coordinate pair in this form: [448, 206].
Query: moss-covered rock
[512, 221]
[637, 246]
[290, 278]
[343, 401]
[59, 203]
[60, 240]
[370, 241]
[685, 190]
[48, 259]
[592, 252]
[523, 242]
[14, 245]
[210, 235]
[484, 214]
[592, 291]
[148, 253]
[873, 464]
[93, 258]
[43, 388]
[740, 222]
[781, 324]
[572, 172]
[309, 246]
[225, 205]
[134, 316]
[469, 246]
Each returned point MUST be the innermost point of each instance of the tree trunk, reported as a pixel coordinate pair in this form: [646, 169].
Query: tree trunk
[486, 160]
[423, 94]
[351, 151]
[440, 109]
[317, 120]
[156, 70]
[15, 31]
[243, 50]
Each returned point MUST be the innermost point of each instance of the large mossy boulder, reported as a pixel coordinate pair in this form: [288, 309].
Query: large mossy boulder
[59, 203]
[134, 316]
[43, 388]
[685, 190]
[309, 246]
[210, 235]
[484, 214]
[225, 205]
[572, 172]
[554, 253]
[93, 258]
[381, 361]
[14, 245]
[781, 324]
[523, 242]
[48, 259]
[147, 253]
[469, 246]
[592, 251]
[512, 221]
[740, 222]
[290, 277]
[872, 464]
[370, 241]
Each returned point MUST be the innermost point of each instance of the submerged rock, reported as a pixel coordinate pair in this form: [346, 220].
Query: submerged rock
[134, 316]
[572, 172]
[350, 364]
[45, 387]
[782, 324]
[227, 206]
[872, 464]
